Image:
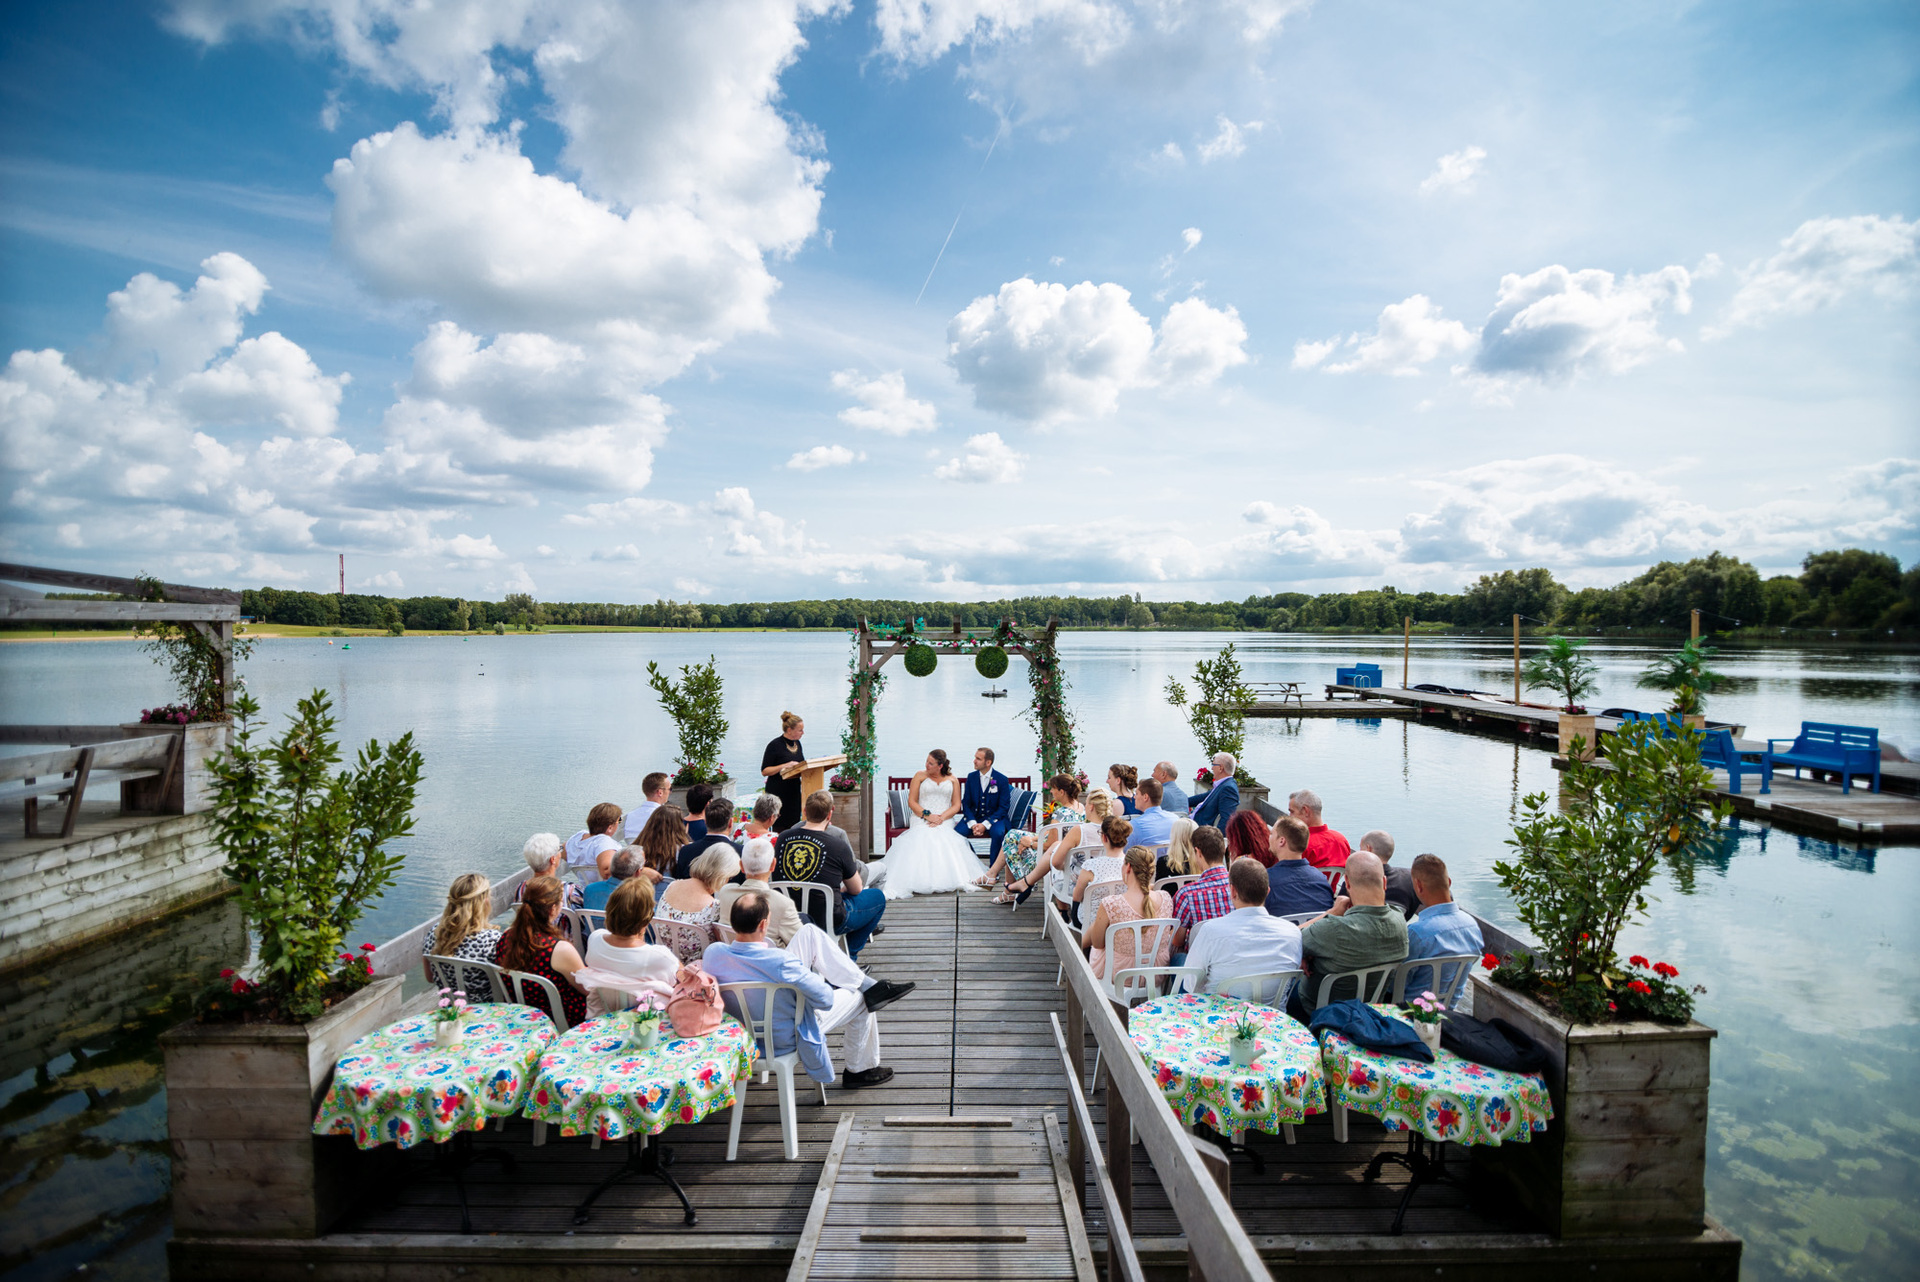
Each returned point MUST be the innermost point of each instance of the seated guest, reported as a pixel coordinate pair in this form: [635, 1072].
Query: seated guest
[1121, 781]
[547, 857]
[465, 930]
[756, 869]
[1136, 901]
[1247, 941]
[586, 848]
[1443, 928]
[693, 900]
[1325, 847]
[766, 809]
[654, 790]
[624, 866]
[697, 798]
[1248, 837]
[751, 959]
[1152, 825]
[533, 944]
[1018, 857]
[1223, 798]
[1172, 796]
[1359, 931]
[809, 852]
[660, 843]
[1206, 897]
[1399, 881]
[1180, 860]
[1115, 834]
[621, 947]
[1294, 885]
[718, 811]
[1070, 838]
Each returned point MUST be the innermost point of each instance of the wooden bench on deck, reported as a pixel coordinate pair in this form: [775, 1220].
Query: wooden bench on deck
[65, 774]
[1822, 745]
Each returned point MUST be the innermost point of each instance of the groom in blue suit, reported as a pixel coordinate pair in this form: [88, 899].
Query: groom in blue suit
[1223, 799]
[984, 802]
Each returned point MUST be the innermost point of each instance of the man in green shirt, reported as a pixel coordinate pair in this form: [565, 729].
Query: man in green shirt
[1360, 930]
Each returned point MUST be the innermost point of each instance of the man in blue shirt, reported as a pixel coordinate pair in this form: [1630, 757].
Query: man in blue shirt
[1172, 796]
[626, 863]
[1293, 884]
[1153, 826]
[1443, 928]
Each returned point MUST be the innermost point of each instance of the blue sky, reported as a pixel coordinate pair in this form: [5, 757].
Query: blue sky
[612, 302]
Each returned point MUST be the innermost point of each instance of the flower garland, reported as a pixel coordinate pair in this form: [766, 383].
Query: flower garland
[1049, 708]
[863, 690]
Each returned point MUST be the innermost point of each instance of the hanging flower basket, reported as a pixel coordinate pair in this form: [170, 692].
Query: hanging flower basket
[991, 662]
[921, 660]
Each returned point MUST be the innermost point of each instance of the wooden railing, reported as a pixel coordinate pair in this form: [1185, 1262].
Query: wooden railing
[1122, 1260]
[1193, 1176]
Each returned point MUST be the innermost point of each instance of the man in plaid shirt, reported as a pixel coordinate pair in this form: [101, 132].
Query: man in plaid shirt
[1206, 897]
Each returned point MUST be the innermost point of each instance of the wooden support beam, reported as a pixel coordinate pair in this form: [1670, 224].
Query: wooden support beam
[75, 581]
[35, 610]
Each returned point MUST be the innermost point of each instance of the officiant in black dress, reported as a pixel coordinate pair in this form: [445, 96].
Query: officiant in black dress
[783, 752]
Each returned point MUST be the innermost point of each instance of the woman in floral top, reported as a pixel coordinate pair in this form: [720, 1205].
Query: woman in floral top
[1017, 858]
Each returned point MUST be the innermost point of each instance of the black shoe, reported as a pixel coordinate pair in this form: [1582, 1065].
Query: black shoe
[879, 930]
[885, 991]
[866, 1077]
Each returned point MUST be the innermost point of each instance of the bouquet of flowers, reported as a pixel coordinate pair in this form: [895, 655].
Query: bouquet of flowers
[643, 1021]
[452, 1008]
[1203, 778]
[842, 783]
[1426, 1009]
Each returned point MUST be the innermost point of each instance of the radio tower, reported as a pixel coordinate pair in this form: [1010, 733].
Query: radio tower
[343, 576]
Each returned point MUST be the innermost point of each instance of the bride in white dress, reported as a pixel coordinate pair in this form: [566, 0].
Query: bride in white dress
[931, 857]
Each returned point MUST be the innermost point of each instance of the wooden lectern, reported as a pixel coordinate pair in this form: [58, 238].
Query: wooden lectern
[813, 773]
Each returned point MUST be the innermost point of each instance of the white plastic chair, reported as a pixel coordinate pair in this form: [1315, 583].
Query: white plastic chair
[1137, 984]
[686, 940]
[781, 1066]
[1301, 919]
[1269, 988]
[1447, 981]
[451, 972]
[1374, 983]
[509, 986]
[579, 925]
[1059, 883]
[1090, 904]
[802, 893]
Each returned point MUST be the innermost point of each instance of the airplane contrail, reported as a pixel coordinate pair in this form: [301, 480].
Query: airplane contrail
[997, 134]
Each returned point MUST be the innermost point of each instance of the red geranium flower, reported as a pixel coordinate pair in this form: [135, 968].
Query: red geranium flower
[1637, 960]
[1639, 986]
[1611, 1006]
[1666, 971]
[368, 948]
[227, 973]
[1490, 961]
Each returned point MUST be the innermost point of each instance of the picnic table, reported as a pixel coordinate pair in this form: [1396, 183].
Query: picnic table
[1184, 1040]
[1452, 1100]
[594, 1081]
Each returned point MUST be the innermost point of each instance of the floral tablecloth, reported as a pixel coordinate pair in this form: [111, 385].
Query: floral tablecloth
[1184, 1041]
[396, 1086]
[590, 1083]
[1452, 1099]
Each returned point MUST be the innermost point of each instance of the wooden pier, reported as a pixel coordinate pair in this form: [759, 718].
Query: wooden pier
[1365, 710]
[973, 1042]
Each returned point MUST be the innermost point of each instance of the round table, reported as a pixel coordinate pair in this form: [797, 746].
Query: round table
[1450, 1101]
[1184, 1040]
[398, 1086]
[589, 1082]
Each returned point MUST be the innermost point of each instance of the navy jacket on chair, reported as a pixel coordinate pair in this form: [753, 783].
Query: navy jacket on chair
[1218, 805]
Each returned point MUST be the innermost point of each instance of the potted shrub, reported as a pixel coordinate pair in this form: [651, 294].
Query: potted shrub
[695, 702]
[306, 844]
[1561, 667]
[1626, 1153]
[1218, 715]
[847, 813]
[198, 717]
[1685, 675]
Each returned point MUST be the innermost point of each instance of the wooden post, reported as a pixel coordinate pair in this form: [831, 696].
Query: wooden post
[1696, 625]
[1516, 660]
[1406, 653]
[1119, 1170]
[223, 641]
[1220, 1166]
[862, 727]
[1076, 1031]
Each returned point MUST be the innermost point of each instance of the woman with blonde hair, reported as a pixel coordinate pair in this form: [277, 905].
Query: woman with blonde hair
[781, 753]
[1072, 836]
[620, 948]
[693, 901]
[1137, 901]
[1179, 860]
[465, 931]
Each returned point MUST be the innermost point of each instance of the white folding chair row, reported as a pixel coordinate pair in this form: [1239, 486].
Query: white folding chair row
[508, 986]
[1172, 884]
[1448, 978]
[1089, 904]
[803, 894]
[739, 1001]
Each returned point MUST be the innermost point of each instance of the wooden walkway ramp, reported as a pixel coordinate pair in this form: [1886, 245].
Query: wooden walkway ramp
[949, 1197]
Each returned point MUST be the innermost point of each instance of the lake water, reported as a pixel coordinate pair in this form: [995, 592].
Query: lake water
[1805, 945]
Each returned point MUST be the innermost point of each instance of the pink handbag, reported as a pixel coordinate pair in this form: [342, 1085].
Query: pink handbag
[695, 1008]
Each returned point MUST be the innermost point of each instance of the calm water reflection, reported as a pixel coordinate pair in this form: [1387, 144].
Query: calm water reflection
[1804, 945]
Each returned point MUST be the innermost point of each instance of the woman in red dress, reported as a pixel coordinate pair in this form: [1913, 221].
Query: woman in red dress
[534, 944]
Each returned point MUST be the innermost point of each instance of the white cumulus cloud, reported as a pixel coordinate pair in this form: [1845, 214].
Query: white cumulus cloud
[1408, 336]
[822, 456]
[988, 460]
[1454, 171]
[884, 404]
[1823, 261]
[1229, 140]
[1046, 352]
[1554, 323]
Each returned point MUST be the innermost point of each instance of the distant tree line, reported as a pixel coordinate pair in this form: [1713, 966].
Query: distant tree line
[1847, 588]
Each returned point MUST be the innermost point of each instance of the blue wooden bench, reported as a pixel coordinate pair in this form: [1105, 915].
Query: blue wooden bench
[1360, 676]
[1822, 745]
[1717, 750]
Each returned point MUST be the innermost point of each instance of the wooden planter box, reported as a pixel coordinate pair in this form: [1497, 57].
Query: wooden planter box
[1626, 1152]
[191, 789]
[1252, 795]
[240, 1105]
[678, 796]
[1577, 726]
[848, 813]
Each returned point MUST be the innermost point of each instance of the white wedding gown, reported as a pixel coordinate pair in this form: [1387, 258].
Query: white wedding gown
[929, 861]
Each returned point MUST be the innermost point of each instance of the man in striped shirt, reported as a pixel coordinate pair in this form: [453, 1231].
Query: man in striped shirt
[1208, 895]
